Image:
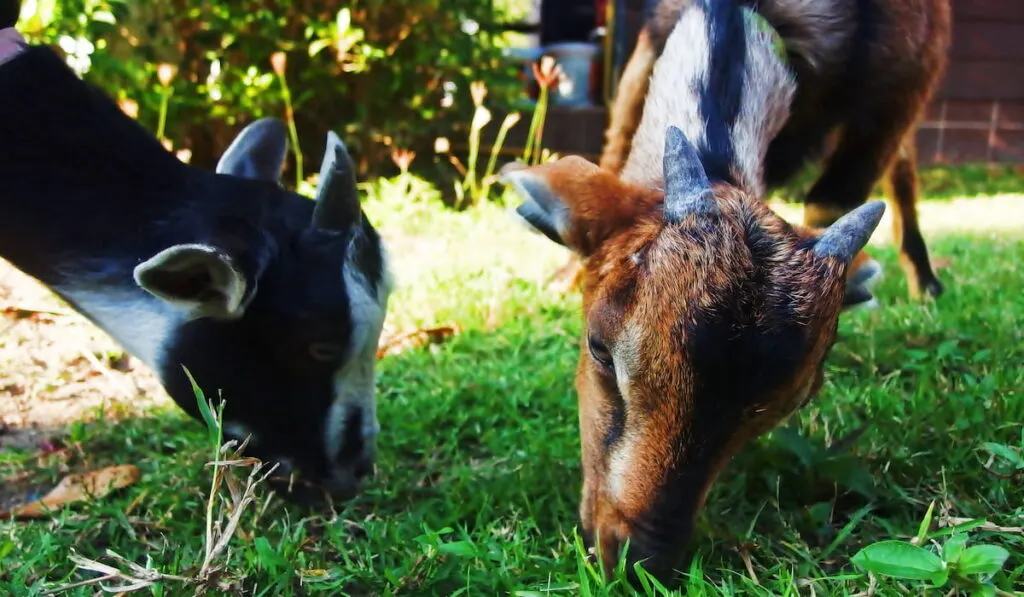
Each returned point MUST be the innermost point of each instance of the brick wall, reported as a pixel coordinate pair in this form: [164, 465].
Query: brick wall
[978, 114]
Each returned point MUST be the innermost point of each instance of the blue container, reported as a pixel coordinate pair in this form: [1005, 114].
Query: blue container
[576, 60]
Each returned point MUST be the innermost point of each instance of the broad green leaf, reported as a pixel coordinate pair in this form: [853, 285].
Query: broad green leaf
[940, 578]
[899, 559]
[953, 547]
[984, 591]
[982, 559]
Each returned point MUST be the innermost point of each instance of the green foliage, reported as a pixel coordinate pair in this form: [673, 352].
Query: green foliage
[1009, 458]
[901, 560]
[383, 73]
[967, 567]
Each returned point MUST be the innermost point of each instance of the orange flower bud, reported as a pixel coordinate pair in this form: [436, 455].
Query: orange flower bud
[279, 61]
[165, 73]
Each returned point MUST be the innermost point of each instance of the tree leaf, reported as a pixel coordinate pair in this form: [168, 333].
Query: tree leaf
[899, 559]
[982, 559]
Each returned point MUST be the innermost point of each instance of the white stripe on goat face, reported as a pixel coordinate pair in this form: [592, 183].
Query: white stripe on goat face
[140, 323]
[355, 380]
[626, 359]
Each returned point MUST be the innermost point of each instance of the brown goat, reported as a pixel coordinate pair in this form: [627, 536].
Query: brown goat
[708, 316]
[866, 75]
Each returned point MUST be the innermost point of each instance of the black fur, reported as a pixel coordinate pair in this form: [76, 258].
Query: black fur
[720, 99]
[9, 10]
[88, 194]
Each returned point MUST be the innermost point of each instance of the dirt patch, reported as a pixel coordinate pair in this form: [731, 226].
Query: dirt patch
[57, 367]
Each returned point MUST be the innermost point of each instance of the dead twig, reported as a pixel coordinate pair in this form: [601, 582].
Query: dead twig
[748, 563]
[33, 313]
[952, 521]
[221, 528]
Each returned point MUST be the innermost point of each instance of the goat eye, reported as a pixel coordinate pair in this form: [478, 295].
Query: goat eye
[600, 352]
[326, 352]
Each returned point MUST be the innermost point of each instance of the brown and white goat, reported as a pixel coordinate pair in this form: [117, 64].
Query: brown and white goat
[707, 316]
[866, 71]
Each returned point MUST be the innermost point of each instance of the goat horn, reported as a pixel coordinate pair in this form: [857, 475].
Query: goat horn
[848, 235]
[687, 189]
[337, 201]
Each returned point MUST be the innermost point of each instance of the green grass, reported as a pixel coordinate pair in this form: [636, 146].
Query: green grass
[479, 469]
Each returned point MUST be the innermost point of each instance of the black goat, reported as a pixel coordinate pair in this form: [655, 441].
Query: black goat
[270, 300]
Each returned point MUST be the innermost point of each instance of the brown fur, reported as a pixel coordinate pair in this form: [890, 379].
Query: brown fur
[628, 107]
[708, 316]
[872, 108]
[642, 278]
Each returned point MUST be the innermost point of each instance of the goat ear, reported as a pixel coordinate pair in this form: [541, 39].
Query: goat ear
[861, 277]
[542, 209]
[258, 152]
[573, 202]
[201, 280]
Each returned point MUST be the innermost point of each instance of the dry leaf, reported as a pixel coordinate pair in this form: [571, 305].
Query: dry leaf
[77, 488]
[36, 315]
[415, 339]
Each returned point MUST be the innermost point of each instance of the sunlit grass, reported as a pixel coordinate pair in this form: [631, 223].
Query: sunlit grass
[479, 473]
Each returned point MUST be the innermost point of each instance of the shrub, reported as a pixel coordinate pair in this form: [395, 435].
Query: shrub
[383, 73]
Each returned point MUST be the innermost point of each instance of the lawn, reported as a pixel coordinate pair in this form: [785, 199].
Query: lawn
[479, 475]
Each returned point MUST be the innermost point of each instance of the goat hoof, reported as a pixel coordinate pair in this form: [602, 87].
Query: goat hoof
[934, 288]
[928, 288]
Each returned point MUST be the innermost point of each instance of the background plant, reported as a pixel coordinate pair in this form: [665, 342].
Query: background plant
[973, 568]
[382, 73]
